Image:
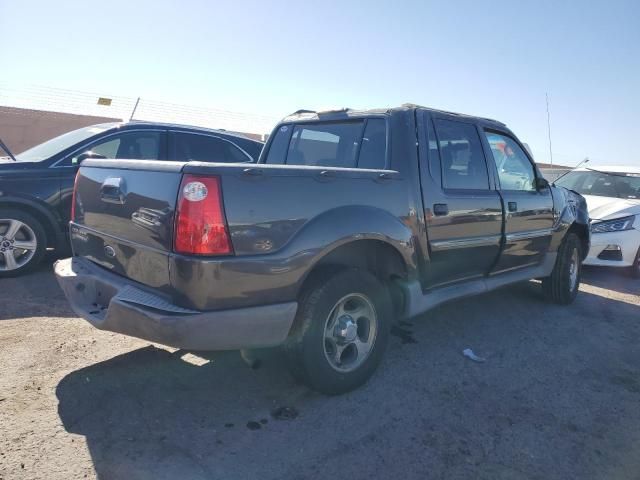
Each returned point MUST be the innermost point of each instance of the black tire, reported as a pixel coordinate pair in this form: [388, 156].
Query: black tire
[634, 270]
[306, 345]
[559, 287]
[39, 235]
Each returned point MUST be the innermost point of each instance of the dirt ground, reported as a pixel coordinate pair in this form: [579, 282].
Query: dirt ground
[557, 398]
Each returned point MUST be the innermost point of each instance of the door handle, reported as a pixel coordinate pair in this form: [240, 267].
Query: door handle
[440, 209]
[512, 206]
[112, 190]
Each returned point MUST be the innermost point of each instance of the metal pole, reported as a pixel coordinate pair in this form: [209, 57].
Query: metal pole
[549, 128]
[134, 109]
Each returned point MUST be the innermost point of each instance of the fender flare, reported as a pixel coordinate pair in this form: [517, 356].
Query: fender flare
[345, 225]
[570, 215]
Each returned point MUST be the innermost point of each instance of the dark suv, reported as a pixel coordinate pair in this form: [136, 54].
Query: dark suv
[36, 185]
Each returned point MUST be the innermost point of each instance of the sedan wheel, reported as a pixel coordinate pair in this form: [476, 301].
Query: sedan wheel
[18, 244]
[22, 242]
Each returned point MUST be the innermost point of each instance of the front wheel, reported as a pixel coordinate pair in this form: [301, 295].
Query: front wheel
[562, 285]
[22, 242]
[341, 331]
[634, 270]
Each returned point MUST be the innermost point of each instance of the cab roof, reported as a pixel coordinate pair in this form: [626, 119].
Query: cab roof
[341, 113]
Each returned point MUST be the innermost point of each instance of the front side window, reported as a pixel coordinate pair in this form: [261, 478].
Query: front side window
[132, 145]
[204, 148]
[462, 160]
[515, 171]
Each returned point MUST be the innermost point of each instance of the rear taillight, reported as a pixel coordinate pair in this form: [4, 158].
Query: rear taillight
[73, 197]
[201, 227]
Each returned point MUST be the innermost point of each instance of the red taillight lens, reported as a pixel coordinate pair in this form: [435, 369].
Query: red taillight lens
[73, 197]
[201, 228]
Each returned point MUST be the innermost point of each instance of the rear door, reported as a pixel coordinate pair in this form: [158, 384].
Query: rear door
[529, 211]
[463, 210]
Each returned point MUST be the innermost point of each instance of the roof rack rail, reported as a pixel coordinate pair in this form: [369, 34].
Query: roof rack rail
[302, 110]
[334, 110]
[413, 105]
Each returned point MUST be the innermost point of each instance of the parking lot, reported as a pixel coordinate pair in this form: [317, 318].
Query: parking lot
[558, 397]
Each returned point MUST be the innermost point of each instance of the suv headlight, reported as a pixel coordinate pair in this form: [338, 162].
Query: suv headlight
[617, 225]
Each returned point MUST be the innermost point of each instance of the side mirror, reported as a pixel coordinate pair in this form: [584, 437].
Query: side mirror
[85, 155]
[541, 183]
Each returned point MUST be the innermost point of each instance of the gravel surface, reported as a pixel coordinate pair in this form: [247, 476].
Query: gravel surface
[558, 397]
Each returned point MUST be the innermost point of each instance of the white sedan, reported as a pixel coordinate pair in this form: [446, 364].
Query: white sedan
[613, 198]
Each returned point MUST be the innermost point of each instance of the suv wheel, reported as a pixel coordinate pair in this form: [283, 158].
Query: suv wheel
[22, 242]
[341, 331]
[562, 285]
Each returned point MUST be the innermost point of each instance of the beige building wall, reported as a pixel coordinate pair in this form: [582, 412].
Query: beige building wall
[21, 129]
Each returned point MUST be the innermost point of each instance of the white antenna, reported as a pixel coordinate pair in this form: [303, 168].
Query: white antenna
[549, 128]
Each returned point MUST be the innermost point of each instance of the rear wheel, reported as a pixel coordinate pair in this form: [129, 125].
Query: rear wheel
[22, 242]
[342, 329]
[562, 285]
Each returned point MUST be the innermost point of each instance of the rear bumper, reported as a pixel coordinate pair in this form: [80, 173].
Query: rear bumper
[110, 302]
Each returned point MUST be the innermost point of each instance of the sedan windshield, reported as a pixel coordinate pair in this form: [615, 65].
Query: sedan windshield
[58, 144]
[603, 184]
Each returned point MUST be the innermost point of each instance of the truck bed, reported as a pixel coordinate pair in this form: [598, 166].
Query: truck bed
[280, 218]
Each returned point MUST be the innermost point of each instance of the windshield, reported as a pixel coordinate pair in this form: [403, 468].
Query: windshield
[58, 144]
[603, 184]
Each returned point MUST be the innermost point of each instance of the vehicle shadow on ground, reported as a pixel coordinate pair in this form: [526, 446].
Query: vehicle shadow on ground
[615, 279]
[151, 414]
[34, 294]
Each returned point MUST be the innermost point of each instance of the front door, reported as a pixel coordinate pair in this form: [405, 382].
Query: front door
[529, 212]
[463, 211]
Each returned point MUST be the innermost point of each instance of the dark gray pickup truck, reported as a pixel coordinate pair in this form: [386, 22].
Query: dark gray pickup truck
[351, 220]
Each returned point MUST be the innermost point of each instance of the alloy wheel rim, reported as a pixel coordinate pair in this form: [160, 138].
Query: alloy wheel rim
[350, 332]
[18, 244]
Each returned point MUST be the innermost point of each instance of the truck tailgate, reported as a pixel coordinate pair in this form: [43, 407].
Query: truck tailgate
[124, 217]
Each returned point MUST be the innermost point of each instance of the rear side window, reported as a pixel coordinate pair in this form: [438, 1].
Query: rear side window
[205, 148]
[374, 144]
[337, 144]
[462, 160]
[434, 156]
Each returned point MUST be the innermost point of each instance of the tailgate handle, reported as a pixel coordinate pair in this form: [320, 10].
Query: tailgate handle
[112, 190]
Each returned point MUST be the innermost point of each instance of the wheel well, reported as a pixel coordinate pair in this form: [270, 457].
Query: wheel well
[49, 227]
[582, 231]
[377, 257]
